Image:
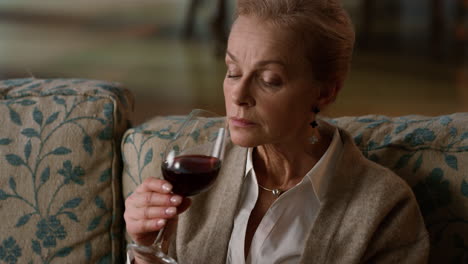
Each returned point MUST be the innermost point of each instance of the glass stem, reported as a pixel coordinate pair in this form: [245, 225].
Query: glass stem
[163, 238]
[159, 238]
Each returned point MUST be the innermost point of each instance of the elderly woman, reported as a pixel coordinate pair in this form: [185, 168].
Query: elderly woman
[293, 189]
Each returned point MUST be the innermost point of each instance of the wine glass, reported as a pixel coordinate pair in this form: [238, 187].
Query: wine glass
[191, 163]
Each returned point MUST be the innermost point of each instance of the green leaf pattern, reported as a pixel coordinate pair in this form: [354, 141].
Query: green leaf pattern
[418, 163]
[36, 246]
[30, 132]
[52, 118]
[94, 223]
[427, 152]
[38, 116]
[451, 161]
[73, 203]
[14, 160]
[105, 175]
[15, 117]
[27, 150]
[145, 154]
[45, 175]
[40, 149]
[88, 144]
[61, 151]
[23, 220]
[148, 157]
[12, 184]
[464, 188]
[5, 141]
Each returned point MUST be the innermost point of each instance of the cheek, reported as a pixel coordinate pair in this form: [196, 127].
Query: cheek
[278, 120]
[285, 117]
[227, 95]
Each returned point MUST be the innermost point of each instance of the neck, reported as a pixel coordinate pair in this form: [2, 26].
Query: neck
[283, 165]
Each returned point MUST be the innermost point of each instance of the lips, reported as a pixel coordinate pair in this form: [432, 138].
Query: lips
[241, 122]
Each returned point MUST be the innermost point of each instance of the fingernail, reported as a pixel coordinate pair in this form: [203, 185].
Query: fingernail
[161, 222]
[171, 211]
[176, 200]
[167, 187]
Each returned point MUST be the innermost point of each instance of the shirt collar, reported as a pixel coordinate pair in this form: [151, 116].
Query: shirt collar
[249, 162]
[319, 174]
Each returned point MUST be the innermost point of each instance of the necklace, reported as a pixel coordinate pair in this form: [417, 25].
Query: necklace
[276, 192]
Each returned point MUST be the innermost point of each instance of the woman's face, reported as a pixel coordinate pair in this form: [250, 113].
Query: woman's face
[269, 90]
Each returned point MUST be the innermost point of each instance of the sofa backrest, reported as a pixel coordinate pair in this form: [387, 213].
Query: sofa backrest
[60, 170]
[429, 153]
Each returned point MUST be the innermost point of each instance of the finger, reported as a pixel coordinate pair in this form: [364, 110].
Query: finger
[148, 213]
[152, 213]
[152, 199]
[152, 184]
[144, 226]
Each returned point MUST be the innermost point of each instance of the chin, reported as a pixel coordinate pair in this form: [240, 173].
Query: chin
[243, 140]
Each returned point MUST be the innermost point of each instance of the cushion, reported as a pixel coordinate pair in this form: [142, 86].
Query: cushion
[429, 153]
[60, 176]
[143, 147]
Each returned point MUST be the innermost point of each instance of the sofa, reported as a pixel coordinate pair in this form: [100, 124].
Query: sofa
[69, 157]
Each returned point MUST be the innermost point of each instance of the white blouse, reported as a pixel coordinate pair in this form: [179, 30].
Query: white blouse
[280, 236]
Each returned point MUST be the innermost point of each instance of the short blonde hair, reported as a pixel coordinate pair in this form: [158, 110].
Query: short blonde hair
[323, 26]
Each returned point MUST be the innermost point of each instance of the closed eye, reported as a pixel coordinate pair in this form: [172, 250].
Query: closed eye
[232, 76]
[270, 84]
[273, 85]
[269, 80]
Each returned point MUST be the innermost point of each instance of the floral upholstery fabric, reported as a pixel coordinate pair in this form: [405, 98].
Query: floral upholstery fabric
[60, 176]
[143, 147]
[430, 153]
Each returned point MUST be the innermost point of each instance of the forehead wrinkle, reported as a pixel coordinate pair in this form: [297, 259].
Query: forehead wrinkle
[278, 58]
[260, 63]
[266, 43]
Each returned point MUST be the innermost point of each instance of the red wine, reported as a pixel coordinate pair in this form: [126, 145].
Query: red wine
[191, 174]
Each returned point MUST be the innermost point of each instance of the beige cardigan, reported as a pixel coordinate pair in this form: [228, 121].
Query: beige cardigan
[368, 215]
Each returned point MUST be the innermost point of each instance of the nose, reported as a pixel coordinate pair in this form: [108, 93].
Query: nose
[242, 94]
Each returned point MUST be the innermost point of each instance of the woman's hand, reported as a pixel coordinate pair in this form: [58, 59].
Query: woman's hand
[149, 207]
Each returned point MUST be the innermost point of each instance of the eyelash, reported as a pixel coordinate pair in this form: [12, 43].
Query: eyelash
[267, 84]
[270, 85]
[232, 76]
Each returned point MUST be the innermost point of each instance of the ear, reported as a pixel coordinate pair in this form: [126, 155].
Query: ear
[329, 93]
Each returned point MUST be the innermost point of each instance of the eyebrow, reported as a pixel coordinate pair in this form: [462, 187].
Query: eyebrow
[261, 63]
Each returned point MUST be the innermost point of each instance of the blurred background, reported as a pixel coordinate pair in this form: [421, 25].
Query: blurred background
[410, 58]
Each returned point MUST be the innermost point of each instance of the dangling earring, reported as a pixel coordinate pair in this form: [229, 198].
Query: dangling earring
[314, 138]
